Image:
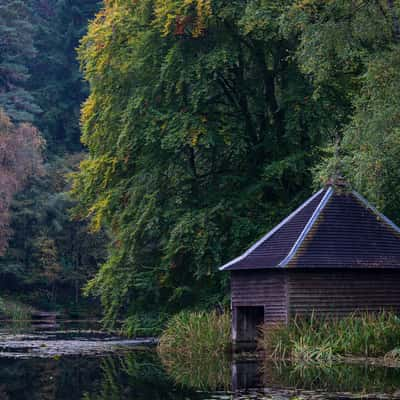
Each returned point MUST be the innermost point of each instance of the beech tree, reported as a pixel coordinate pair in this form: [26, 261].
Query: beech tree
[207, 118]
[201, 131]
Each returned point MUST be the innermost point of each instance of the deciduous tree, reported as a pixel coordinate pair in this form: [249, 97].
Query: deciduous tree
[20, 158]
[202, 132]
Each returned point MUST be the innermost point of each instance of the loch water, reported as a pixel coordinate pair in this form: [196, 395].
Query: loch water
[83, 364]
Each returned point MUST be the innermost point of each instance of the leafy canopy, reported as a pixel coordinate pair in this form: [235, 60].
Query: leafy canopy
[202, 131]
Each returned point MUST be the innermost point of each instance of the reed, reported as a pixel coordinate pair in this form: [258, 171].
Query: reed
[196, 332]
[327, 339]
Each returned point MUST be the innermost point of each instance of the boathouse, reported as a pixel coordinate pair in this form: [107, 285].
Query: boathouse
[334, 255]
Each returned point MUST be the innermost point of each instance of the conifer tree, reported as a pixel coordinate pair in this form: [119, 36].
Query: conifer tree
[16, 51]
[56, 81]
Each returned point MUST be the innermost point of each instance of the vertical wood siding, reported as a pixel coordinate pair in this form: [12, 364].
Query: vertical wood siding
[335, 292]
[261, 288]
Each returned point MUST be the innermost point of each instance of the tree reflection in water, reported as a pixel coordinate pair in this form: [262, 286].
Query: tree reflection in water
[140, 375]
[137, 375]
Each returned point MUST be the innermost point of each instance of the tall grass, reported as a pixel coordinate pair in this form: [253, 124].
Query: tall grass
[15, 312]
[316, 339]
[194, 349]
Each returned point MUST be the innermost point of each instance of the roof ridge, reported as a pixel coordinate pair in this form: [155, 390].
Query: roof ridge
[275, 229]
[367, 204]
[307, 227]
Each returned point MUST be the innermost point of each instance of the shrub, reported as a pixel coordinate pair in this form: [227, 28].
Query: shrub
[140, 325]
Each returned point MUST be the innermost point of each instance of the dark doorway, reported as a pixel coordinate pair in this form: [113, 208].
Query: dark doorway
[246, 323]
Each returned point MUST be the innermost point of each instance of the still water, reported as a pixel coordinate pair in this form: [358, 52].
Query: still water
[81, 364]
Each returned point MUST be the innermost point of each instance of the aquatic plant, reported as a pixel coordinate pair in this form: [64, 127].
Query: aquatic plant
[195, 349]
[322, 339]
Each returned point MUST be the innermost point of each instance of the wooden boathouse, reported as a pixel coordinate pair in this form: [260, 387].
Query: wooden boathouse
[334, 255]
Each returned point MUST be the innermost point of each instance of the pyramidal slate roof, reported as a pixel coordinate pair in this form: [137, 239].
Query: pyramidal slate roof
[335, 228]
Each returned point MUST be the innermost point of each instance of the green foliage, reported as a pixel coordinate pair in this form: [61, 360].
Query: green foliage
[206, 124]
[40, 80]
[56, 82]
[194, 347]
[321, 340]
[51, 257]
[202, 132]
[49, 254]
[21, 148]
[352, 48]
[373, 136]
[17, 49]
[144, 325]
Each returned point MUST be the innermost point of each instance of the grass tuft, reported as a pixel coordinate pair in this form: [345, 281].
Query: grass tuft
[327, 339]
[14, 310]
[16, 313]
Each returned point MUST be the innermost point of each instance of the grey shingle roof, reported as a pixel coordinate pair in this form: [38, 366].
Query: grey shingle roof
[335, 228]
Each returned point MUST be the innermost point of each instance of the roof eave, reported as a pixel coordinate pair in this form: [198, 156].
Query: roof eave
[275, 229]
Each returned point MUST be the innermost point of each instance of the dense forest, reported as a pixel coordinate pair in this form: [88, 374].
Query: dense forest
[46, 256]
[204, 122]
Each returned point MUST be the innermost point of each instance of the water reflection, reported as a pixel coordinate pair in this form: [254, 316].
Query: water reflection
[281, 380]
[135, 376]
[354, 378]
[211, 373]
[246, 374]
[205, 372]
[138, 376]
[284, 380]
[45, 379]
[141, 375]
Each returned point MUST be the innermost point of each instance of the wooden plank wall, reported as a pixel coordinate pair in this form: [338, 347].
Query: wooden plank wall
[335, 292]
[286, 293]
[261, 288]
